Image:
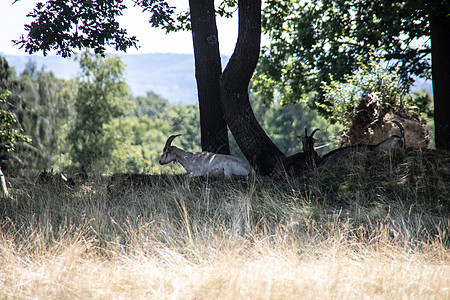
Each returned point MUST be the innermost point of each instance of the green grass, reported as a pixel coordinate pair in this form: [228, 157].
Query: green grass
[376, 226]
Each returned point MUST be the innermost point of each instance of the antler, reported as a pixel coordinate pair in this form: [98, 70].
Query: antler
[315, 130]
[170, 139]
[402, 132]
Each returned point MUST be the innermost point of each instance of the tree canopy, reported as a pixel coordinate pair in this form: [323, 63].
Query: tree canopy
[65, 26]
[315, 41]
[11, 132]
[311, 40]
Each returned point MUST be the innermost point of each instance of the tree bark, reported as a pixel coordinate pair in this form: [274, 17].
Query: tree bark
[3, 184]
[440, 61]
[208, 68]
[257, 147]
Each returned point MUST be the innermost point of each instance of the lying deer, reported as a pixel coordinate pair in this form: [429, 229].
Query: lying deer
[299, 162]
[390, 143]
[204, 163]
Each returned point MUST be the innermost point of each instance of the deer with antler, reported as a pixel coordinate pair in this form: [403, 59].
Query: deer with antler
[204, 163]
[297, 163]
[391, 143]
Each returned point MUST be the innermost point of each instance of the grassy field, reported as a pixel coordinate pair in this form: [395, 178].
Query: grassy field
[375, 227]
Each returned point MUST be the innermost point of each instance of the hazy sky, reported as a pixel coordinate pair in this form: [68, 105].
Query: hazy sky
[13, 18]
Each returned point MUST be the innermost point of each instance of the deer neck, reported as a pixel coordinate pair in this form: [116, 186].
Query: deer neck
[183, 157]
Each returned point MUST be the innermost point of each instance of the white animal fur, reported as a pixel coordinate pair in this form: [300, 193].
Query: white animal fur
[204, 163]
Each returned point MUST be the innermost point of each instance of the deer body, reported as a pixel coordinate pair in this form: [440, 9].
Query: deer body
[393, 142]
[299, 162]
[205, 163]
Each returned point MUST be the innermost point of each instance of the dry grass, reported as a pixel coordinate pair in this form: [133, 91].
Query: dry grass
[163, 237]
[235, 269]
[257, 274]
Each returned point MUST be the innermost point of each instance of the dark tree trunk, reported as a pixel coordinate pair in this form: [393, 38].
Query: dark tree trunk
[259, 150]
[440, 60]
[208, 68]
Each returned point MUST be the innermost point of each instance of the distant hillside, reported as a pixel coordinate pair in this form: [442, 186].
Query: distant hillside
[170, 75]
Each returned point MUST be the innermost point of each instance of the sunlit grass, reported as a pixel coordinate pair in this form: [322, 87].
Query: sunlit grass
[342, 235]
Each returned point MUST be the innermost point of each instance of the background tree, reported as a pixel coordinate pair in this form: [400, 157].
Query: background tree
[284, 123]
[208, 68]
[137, 145]
[142, 133]
[257, 147]
[101, 96]
[43, 104]
[370, 78]
[312, 39]
[151, 105]
[11, 132]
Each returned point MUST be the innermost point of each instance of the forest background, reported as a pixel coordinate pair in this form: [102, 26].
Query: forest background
[132, 137]
[263, 87]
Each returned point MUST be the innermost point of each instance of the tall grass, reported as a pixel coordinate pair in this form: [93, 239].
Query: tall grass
[376, 228]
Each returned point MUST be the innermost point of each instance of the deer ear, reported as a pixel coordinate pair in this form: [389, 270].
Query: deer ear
[302, 138]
